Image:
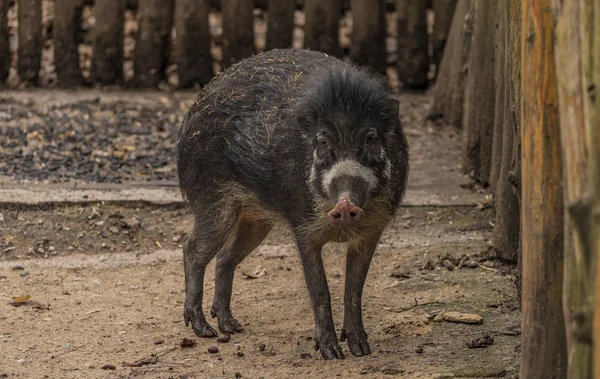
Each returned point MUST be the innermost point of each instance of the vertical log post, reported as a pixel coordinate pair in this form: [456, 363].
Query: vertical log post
[368, 34]
[449, 91]
[238, 30]
[280, 27]
[443, 11]
[480, 93]
[578, 66]
[322, 26]
[543, 346]
[500, 98]
[67, 21]
[107, 59]
[153, 41]
[192, 45]
[508, 215]
[413, 43]
[30, 40]
[4, 42]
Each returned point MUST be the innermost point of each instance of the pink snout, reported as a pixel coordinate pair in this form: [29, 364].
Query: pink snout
[345, 213]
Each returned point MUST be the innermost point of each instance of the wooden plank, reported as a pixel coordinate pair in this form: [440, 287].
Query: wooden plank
[321, 28]
[449, 90]
[153, 41]
[30, 40]
[107, 61]
[478, 123]
[280, 27]
[443, 11]
[508, 215]
[577, 56]
[192, 45]
[4, 42]
[413, 43]
[368, 34]
[238, 31]
[66, 28]
[543, 346]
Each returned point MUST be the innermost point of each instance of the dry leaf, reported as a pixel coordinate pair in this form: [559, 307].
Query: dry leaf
[21, 299]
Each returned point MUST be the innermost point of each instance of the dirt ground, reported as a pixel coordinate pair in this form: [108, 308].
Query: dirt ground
[106, 277]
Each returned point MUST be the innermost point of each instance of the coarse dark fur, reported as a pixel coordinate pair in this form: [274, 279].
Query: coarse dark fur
[253, 150]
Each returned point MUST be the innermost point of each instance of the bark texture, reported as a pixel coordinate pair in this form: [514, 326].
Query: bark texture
[368, 34]
[443, 11]
[238, 31]
[107, 61]
[153, 41]
[479, 119]
[578, 66]
[321, 29]
[506, 132]
[30, 40]
[4, 43]
[543, 351]
[192, 45]
[448, 94]
[280, 28]
[66, 28]
[413, 43]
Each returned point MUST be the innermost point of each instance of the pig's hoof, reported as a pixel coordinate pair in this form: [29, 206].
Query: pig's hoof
[357, 342]
[199, 324]
[230, 326]
[330, 349]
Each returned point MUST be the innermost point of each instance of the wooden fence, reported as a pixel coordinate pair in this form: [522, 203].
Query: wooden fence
[178, 33]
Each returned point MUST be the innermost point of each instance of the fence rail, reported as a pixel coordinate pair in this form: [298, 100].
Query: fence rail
[142, 43]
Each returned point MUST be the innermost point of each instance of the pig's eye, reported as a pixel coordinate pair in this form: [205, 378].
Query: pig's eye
[370, 138]
[323, 141]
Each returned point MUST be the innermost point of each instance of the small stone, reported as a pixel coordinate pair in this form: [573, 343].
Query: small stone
[262, 347]
[224, 338]
[24, 274]
[109, 367]
[305, 356]
[238, 375]
[419, 350]
[97, 281]
[159, 341]
[176, 238]
[51, 248]
[213, 349]
[18, 267]
[240, 354]
[186, 342]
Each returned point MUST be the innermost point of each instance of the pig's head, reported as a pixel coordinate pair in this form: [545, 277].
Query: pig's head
[349, 120]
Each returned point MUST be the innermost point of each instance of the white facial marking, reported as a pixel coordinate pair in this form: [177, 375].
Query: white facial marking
[349, 167]
[387, 170]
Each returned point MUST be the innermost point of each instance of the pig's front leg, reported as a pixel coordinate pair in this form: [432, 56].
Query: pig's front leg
[358, 261]
[316, 282]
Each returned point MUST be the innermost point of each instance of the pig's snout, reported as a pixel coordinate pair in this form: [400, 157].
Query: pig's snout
[345, 213]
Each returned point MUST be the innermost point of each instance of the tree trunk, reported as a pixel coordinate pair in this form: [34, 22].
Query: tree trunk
[413, 44]
[107, 61]
[508, 215]
[238, 31]
[192, 45]
[280, 28]
[443, 11]
[577, 58]
[153, 41]
[368, 34]
[67, 25]
[321, 29]
[30, 40]
[448, 93]
[543, 347]
[500, 98]
[479, 120]
[4, 42]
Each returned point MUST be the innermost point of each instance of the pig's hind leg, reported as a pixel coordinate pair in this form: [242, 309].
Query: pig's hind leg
[248, 235]
[212, 228]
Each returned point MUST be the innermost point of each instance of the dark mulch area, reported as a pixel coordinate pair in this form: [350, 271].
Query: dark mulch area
[89, 141]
